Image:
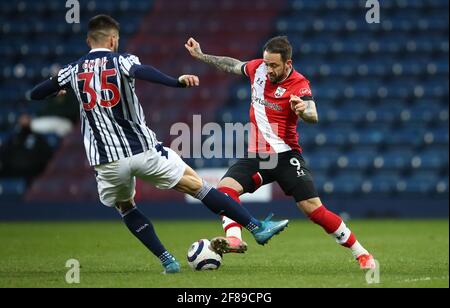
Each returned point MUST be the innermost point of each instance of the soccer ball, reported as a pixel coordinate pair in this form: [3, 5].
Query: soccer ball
[201, 257]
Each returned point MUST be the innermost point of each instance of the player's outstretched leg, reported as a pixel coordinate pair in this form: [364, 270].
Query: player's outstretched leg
[335, 226]
[221, 204]
[143, 230]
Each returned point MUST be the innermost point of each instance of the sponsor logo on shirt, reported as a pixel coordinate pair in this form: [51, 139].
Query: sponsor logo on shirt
[305, 92]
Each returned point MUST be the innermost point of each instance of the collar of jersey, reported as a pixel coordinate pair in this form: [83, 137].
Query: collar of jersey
[99, 49]
[287, 77]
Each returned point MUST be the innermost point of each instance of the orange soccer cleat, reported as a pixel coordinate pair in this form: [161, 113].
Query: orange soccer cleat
[366, 262]
[228, 244]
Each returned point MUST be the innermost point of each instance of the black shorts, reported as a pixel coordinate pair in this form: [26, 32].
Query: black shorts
[290, 173]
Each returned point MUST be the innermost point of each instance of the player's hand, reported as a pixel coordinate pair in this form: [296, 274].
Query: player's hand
[189, 80]
[297, 105]
[61, 93]
[194, 48]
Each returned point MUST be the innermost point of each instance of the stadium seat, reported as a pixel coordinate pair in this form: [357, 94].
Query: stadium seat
[12, 188]
[431, 159]
[384, 182]
[394, 160]
[348, 183]
[322, 159]
[420, 182]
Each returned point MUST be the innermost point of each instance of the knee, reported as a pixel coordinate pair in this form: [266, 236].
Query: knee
[310, 205]
[229, 183]
[125, 206]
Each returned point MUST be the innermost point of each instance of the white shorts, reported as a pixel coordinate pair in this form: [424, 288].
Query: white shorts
[116, 181]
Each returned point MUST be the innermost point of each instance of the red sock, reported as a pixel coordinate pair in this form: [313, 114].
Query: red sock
[226, 222]
[333, 225]
[230, 192]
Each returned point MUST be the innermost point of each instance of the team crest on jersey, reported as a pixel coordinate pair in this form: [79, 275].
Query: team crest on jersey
[280, 92]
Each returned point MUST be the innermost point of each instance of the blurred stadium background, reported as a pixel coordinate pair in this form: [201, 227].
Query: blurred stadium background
[380, 149]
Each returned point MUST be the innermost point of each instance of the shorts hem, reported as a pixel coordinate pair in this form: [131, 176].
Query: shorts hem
[174, 182]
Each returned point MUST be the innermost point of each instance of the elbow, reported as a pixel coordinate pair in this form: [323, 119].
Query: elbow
[311, 118]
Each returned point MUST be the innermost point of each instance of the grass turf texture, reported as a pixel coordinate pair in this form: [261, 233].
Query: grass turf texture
[411, 254]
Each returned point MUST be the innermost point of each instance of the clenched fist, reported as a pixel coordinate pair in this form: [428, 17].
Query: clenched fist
[189, 80]
[297, 105]
[194, 48]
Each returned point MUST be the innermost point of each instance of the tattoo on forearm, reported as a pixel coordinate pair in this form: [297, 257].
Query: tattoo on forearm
[225, 64]
[309, 108]
[310, 113]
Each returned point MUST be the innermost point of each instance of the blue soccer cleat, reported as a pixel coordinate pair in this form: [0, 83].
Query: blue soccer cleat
[268, 229]
[171, 266]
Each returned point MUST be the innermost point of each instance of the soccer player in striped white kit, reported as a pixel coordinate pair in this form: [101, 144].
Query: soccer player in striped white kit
[280, 97]
[121, 147]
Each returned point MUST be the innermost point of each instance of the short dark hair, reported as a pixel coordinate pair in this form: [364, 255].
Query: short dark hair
[281, 45]
[100, 25]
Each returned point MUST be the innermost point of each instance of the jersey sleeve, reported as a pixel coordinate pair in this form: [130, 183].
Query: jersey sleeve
[64, 75]
[126, 62]
[250, 67]
[304, 91]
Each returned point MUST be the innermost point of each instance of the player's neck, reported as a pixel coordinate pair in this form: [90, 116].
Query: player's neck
[287, 75]
[100, 48]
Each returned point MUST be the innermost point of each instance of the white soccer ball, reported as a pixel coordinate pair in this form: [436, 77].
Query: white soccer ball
[201, 257]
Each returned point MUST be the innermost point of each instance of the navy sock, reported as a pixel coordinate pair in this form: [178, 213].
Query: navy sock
[221, 204]
[143, 230]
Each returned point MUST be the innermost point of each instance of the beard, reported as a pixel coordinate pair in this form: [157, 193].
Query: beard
[275, 79]
[279, 78]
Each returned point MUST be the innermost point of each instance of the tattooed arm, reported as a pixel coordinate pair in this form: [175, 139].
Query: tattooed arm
[225, 64]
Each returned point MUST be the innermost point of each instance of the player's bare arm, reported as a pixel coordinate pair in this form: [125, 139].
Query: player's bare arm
[305, 109]
[225, 64]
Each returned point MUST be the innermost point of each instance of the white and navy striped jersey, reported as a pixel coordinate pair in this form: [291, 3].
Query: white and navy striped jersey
[112, 120]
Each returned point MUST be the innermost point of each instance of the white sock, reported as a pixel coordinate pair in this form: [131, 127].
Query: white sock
[342, 234]
[358, 250]
[235, 231]
[232, 228]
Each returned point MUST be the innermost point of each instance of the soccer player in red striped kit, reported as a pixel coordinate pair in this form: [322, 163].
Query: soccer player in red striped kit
[280, 97]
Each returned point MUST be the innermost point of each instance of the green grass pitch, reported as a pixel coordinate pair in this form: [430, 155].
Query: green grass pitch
[411, 254]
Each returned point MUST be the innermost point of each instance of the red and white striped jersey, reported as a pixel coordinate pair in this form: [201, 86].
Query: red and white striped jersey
[274, 124]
